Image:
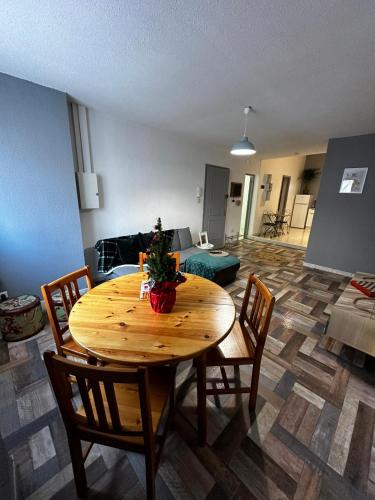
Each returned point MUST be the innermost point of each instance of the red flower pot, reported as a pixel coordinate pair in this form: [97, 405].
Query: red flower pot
[163, 295]
[163, 300]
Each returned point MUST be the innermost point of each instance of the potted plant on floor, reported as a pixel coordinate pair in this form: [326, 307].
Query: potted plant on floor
[164, 279]
[308, 175]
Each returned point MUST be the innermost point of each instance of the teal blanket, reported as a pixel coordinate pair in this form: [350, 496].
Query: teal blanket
[205, 265]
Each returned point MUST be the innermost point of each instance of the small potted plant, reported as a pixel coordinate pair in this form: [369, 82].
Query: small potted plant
[164, 279]
[308, 175]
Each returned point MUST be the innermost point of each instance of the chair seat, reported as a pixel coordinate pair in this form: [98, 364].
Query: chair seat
[236, 349]
[161, 380]
[71, 347]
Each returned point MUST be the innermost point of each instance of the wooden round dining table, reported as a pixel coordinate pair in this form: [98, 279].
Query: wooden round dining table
[114, 324]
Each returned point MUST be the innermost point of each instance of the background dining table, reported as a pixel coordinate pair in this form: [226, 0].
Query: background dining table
[115, 325]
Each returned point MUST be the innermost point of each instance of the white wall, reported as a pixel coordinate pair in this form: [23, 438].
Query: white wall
[291, 166]
[145, 173]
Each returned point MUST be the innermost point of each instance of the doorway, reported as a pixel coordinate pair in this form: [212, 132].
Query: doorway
[247, 204]
[284, 191]
[215, 204]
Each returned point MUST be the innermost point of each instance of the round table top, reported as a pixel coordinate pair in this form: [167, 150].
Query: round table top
[115, 325]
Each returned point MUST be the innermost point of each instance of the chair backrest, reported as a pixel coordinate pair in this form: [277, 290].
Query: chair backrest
[99, 419]
[269, 217]
[63, 293]
[257, 320]
[143, 258]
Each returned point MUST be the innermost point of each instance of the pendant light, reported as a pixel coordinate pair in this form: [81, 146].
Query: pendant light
[244, 147]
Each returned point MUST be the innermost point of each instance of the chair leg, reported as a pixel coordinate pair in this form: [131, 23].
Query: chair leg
[78, 466]
[254, 387]
[150, 476]
[172, 405]
[201, 393]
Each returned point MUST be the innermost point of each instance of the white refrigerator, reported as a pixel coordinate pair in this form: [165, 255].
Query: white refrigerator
[300, 211]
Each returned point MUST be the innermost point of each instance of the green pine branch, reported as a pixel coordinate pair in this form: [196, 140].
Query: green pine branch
[161, 266]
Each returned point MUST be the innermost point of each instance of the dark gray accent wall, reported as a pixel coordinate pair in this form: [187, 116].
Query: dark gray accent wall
[40, 232]
[343, 231]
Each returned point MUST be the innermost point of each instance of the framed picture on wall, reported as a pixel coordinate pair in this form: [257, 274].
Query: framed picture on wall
[353, 180]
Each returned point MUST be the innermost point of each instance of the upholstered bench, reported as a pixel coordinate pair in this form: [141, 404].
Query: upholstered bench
[220, 269]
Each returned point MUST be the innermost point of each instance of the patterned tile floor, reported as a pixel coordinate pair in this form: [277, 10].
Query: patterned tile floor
[312, 437]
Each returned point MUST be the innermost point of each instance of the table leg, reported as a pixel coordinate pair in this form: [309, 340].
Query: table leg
[201, 400]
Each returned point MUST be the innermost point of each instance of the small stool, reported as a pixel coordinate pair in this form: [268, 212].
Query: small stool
[21, 317]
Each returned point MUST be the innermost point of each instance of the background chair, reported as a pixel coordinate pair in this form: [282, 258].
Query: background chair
[243, 346]
[269, 224]
[65, 291]
[122, 408]
[143, 258]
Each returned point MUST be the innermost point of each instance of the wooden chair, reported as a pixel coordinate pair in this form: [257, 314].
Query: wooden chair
[66, 290]
[121, 407]
[143, 258]
[243, 346]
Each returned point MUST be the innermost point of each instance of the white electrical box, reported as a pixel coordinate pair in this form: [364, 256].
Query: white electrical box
[88, 192]
[267, 187]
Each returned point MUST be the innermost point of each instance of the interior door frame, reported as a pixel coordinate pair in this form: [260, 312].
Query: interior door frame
[288, 178]
[249, 204]
[205, 194]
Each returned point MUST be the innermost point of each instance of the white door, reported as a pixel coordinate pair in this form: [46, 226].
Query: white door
[215, 204]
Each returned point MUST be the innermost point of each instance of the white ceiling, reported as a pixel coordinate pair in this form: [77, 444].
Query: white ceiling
[306, 66]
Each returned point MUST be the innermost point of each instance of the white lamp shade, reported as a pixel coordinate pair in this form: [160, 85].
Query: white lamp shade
[243, 148]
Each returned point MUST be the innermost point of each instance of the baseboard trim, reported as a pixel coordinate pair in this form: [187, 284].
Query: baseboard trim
[328, 269]
[276, 242]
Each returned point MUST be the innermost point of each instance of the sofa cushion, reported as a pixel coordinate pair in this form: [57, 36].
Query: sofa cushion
[169, 234]
[129, 249]
[184, 235]
[184, 254]
[175, 246]
[144, 240]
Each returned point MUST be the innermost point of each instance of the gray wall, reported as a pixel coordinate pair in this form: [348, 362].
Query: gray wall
[343, 235]
[40, 234]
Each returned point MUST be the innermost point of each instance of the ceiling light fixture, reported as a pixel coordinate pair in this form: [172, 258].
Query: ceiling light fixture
[244, 147]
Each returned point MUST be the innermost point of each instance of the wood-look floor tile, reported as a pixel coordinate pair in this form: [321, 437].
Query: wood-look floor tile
[292, 347]
[308, 346]
[42, 447]
[285, 385]
[343, 436]
[292, 413]
[36, 402]
[9, 419]
[308, 424]
[324, 431]
[308, 395]
[283, 456]
[269, 467]
[259, 485]
[358, 462]
[262, 425]
[309, 484]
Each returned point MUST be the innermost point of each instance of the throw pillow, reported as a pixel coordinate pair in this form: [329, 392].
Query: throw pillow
[129, 249]
[144, 240]
[176, 245]
[169, 234]
[185, 238]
